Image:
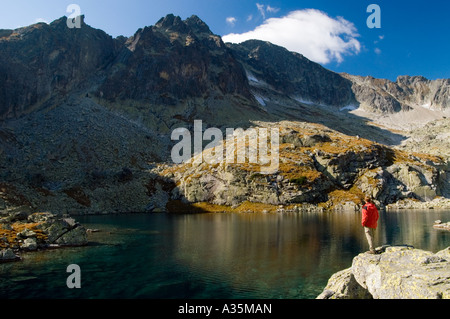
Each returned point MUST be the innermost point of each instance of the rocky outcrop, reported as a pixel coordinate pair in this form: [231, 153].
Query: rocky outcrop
[8, 255]
[432, 138]
[20, 232]
[174, 60]
[343, 285]
[395, 273]
[320, 166]
[384, 96]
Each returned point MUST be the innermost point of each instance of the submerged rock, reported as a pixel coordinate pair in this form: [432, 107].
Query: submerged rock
[397, 273]
[442, 226]
[7, 255]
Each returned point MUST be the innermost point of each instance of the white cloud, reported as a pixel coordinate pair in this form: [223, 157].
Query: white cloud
[231, 21]
[381, 37]
[310, 32]
[261, 10]
[377, 51]
[272, 10]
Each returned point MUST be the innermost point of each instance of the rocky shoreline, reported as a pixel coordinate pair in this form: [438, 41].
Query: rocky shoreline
[437, 203]
[20, 232]
[395, 272]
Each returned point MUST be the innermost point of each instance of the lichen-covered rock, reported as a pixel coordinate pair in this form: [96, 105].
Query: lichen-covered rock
[335, 172]
[39, 231]
[342, 285]
[404, 273]
[41, 217]
[401, 272]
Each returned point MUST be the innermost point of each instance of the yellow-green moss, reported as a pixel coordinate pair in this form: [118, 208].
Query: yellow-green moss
[11, 235]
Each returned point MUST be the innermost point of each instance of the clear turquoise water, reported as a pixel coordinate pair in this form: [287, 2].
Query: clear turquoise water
[212, 256]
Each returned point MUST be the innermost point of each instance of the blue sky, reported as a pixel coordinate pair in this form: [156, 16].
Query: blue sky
[414, 38]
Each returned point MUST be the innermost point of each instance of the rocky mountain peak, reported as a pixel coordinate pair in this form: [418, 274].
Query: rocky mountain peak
[192, 25]
[172, 23]
[197, 24]
[172, 62]
[408, 80]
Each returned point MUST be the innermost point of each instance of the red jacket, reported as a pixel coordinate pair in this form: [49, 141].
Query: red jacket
[370, 216]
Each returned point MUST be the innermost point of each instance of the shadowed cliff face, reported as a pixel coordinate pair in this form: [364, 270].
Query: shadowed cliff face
[172, 61]
[293, 75]
[42, 63]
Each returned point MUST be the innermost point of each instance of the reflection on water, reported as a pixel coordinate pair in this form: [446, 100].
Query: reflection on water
[213, 255]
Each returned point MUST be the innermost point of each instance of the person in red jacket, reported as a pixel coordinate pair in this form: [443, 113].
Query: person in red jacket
[369, 221]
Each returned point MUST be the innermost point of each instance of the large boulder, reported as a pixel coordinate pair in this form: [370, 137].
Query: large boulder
[404, 273]
[64, 232]
[401, 272]
[342, 285]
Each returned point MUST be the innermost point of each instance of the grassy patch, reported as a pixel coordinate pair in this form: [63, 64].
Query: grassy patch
[180, 207]
[11, 234]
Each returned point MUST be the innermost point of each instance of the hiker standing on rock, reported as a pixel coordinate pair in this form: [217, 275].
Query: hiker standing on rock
[369, 221]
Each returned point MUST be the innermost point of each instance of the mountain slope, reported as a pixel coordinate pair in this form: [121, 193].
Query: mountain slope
[317, 166]
[408, 92]
[41, 64]
[180, 71]
[86, 120]
[292, 75]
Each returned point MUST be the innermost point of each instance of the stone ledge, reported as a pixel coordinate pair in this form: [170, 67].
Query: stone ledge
[396, 272]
